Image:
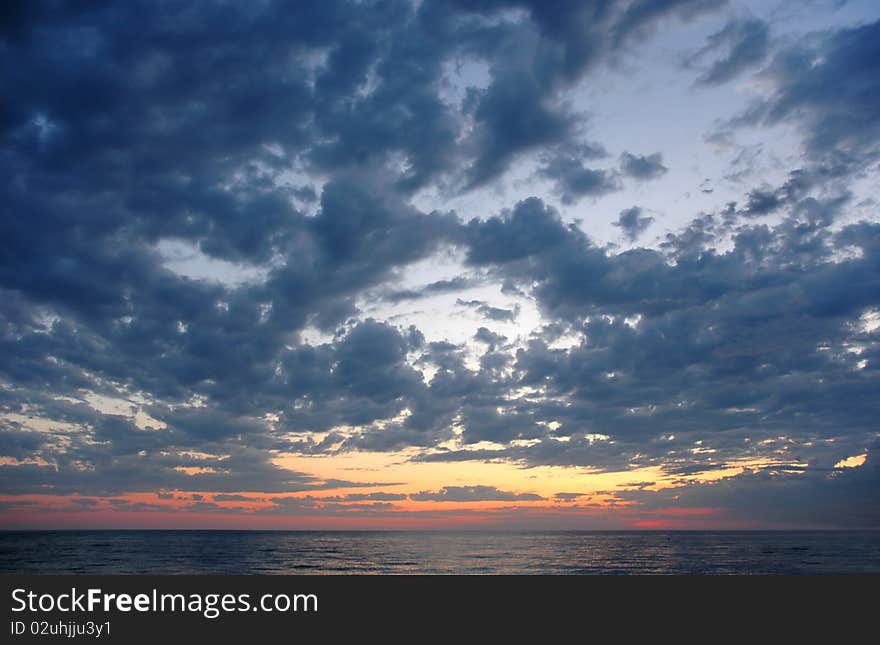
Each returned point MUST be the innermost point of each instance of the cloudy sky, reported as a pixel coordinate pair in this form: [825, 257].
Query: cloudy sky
[443, 264]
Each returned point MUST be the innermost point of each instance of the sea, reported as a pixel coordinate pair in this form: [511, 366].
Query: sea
[439, 552]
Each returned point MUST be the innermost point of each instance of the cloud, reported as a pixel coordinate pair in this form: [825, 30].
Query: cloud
[314, 148]
[532, 62]
[567, 497]
[497, 314]
[572, 179]
[642, 167]
[633, 223]
[817, 498]
[367, 497]
[826, 85]
[642, 15]
[762, 201]
[489, 337]
[473, 494]
[438, 287]
[793, 193]
[528, 229]
[745, 43]
[745, 313]
[235, 498]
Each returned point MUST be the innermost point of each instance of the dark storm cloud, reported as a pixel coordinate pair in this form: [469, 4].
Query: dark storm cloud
[473, 494]
[633, 222]
[642, 167]
[744, 44]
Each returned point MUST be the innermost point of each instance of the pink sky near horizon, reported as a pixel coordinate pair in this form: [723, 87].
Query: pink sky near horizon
[58, 513]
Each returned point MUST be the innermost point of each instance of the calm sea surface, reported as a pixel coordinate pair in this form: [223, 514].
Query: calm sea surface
[342, 552]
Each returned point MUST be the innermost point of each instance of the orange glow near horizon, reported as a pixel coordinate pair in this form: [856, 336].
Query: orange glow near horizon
[382, 490]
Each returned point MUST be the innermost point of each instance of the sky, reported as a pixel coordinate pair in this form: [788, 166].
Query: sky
[508, 264]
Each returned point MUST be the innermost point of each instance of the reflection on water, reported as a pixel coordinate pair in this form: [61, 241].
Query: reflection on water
[336, 552]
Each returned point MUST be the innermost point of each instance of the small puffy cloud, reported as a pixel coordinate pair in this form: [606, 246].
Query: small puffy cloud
[498, 314]
[642, 167]
[633, 222]
[572, 179]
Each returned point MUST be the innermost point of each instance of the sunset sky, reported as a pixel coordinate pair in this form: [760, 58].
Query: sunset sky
[441, 264]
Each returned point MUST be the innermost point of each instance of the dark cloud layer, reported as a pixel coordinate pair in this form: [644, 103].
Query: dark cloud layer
[289, 142]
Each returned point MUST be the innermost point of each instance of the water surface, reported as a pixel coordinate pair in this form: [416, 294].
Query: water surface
[408, 552]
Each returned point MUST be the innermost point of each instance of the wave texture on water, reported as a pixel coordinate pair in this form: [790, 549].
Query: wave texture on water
[411, 552]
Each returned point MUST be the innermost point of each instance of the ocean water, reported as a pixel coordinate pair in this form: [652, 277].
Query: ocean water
[412, 552]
